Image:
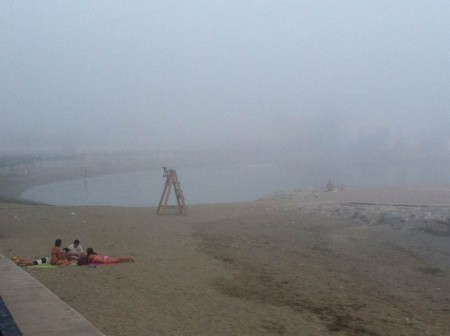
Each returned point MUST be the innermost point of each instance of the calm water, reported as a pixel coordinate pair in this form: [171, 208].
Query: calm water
[226, 184]
[208, 185]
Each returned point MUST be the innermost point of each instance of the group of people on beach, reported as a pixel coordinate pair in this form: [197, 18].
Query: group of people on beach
[73, 254]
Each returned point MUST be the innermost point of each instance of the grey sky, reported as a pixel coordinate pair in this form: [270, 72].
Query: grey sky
[193, 74]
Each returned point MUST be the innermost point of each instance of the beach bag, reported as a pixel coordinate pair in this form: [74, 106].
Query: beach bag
[83, 261]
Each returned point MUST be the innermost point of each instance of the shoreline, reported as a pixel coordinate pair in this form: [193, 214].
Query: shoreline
[20, 178]
[10, 190]
[12, 187]
[249, 267]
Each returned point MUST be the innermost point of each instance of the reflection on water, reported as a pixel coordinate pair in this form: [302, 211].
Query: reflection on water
[229, 183]
[208, 185]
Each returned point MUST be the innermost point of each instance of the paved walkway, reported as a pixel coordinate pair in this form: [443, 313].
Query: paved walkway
[36, 310]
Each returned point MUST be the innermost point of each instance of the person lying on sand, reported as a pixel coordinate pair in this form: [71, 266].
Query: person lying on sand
[94, 257]
[59, 257]
[30, 262]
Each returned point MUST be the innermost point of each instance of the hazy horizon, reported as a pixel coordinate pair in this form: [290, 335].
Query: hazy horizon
[313, 84]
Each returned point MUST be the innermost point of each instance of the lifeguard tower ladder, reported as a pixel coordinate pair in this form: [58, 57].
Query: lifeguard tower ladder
[171, 181]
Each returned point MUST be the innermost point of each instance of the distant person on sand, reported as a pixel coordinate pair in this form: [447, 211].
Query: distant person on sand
[96, 258]
[30, 262]
[75, 250]
[59, 257]
[330, 186]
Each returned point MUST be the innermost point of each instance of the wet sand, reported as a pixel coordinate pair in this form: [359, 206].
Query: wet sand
[302, 262]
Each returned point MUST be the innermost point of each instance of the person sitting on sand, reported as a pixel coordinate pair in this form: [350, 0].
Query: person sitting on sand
[96, 258]
[68, 255]
[75, 250]
[30, 262]
[59, 257]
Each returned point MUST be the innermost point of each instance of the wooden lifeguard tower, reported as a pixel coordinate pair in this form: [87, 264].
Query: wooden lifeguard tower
[171, 181]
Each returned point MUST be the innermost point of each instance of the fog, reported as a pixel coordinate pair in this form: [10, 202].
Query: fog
[338, 89]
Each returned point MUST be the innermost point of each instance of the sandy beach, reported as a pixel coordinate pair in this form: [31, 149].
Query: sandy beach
[308, 141]
[358, 261]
